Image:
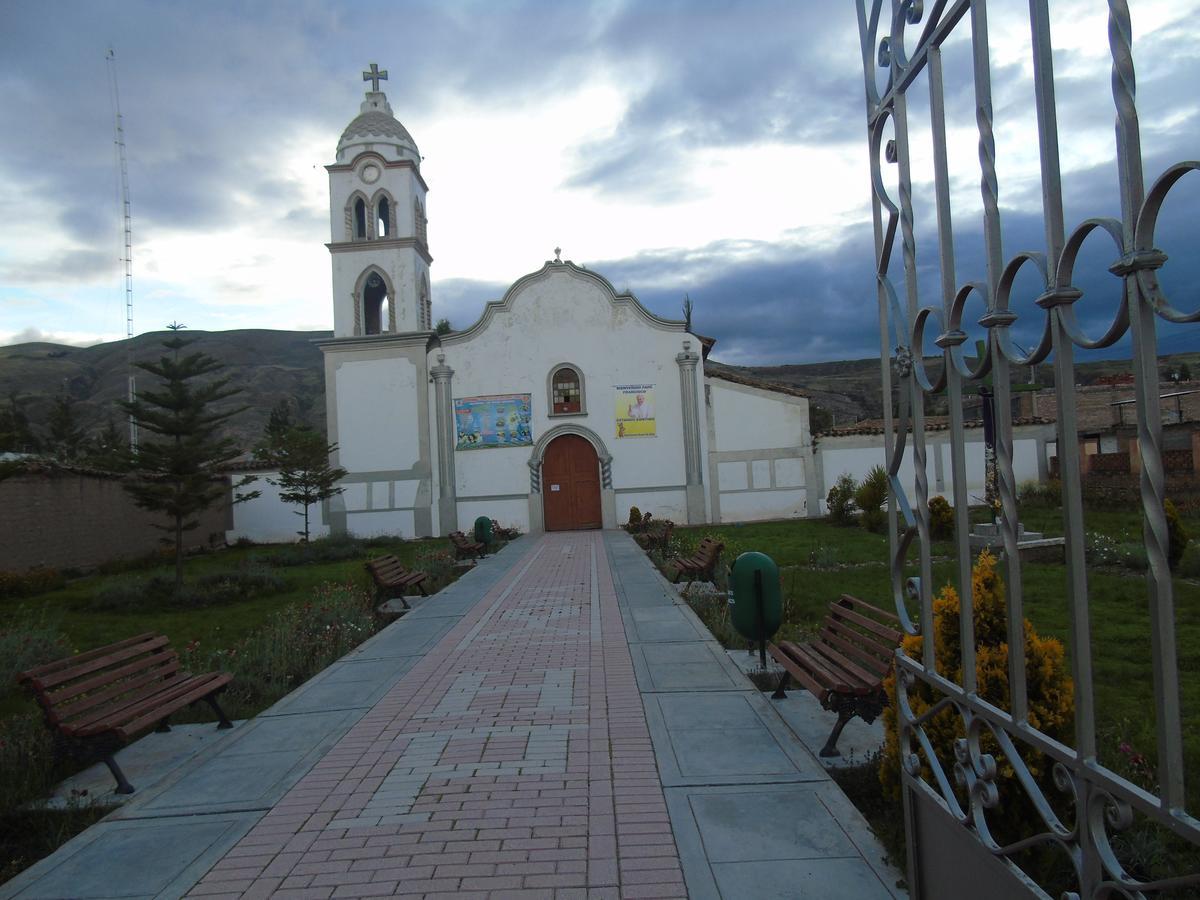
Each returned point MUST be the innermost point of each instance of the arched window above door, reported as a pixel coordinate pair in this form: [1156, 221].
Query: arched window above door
[566, 391]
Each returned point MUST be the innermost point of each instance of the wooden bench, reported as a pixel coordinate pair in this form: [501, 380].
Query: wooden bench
[464, 546]
[700, 564]
[845, 665]
[392, 579]
[97, 702]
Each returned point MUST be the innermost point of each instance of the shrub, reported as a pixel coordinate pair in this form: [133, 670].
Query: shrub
[870, 497]
[823, 556]
[1041, 493]
[28, 639]
[338, 548]
[1189, 565]
[1177, 536]
[438, 564]
[215, 589]
[841, 500]
[941, 519]
[26, 584]
[1103, 550]
[1051, 704]
[295, 644]
[635, 518]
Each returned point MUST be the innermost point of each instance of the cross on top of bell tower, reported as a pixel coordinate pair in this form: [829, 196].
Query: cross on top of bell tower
[375, 76]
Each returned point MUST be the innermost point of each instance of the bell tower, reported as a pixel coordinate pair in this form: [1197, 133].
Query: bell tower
[378, 239]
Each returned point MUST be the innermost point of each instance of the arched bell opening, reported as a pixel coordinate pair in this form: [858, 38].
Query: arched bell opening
[376, 304]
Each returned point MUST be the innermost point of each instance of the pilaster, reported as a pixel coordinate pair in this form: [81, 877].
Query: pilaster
[447, 485]
[693, 468]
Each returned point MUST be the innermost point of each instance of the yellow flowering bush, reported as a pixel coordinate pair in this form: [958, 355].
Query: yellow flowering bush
[1049, 690]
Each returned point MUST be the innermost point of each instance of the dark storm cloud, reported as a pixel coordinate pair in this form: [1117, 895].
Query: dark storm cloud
[461, 300]
[68, 265]
[723, 75]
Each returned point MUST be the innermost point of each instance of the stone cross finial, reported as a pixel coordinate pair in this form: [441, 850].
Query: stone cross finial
[375, 76]
[558, 254]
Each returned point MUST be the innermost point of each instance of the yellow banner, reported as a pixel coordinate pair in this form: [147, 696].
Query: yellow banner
[635, 410]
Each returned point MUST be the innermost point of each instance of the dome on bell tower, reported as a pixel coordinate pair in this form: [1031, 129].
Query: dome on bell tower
[376, 128]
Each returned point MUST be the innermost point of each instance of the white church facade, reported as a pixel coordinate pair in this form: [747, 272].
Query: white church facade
[563, 406]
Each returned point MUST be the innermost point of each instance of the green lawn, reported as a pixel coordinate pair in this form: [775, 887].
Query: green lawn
[70, 607]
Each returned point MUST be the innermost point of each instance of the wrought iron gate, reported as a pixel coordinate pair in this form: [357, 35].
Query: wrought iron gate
[950, 804]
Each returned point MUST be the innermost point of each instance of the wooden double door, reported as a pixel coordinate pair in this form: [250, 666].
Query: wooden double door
[571, 484]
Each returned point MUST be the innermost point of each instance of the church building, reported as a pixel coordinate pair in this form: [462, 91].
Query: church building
[563, 406]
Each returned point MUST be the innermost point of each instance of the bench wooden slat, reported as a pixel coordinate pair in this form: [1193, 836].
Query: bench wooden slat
[113, 713]
[829, 672]
[854, 676]
[891, 635]
[66, 673]
[205, 686]
[66, 711]
[68, 661]
[849, 641]
[161, 702]
[75, 688]
[878, 612]
[802, 675]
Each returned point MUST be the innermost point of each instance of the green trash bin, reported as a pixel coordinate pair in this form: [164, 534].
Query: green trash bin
[755, 606]
[483, 531]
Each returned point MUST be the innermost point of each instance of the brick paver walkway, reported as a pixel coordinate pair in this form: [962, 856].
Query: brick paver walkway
[512, 761]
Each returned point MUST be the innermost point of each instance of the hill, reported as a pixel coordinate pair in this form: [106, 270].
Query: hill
[268, 365]
[271, 366]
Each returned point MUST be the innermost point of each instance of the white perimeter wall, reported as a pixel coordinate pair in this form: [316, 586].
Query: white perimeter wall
[759, 451]
[267, 519]
[857, 454]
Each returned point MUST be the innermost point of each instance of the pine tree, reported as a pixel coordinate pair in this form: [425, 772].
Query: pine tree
[66, 435]
[15, 432]
[279, 422]
[305, 475]
[179, 470]
[108, 449]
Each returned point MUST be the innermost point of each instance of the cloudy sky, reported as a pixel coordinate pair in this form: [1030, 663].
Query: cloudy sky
[676, 146]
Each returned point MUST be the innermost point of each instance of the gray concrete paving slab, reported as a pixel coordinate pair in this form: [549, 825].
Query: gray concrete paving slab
[724, 738]
[145, 763]
[799, 879]
[408, 636]
[159, 858]
[647, 624]
[692, 666]
[269, 755]
[743, 841]
[347, 684]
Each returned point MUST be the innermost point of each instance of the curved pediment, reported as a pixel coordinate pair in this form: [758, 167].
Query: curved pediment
[551, 269]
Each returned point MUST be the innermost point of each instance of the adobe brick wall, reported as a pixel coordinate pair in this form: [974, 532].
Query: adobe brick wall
[1094, 405]
[70, 519]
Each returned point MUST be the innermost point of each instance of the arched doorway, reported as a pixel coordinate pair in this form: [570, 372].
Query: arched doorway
[571, 484]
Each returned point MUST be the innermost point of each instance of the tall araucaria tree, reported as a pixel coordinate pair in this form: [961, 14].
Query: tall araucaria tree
[179, 456]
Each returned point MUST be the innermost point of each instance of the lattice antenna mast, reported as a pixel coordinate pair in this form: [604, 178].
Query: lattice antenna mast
[127, 224]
